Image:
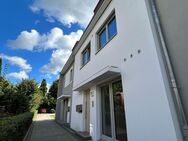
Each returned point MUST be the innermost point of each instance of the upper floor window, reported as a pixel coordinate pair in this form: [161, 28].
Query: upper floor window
[86, 55]
[102, 38]
[71, 75]
[107, 32]
[112, 29]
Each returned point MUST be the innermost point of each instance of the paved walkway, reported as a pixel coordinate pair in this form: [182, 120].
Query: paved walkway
[46, 129]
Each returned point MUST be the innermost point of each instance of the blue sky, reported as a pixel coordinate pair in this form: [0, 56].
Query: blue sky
[36, 36]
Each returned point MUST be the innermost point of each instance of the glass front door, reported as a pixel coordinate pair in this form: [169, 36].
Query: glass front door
[113, 121]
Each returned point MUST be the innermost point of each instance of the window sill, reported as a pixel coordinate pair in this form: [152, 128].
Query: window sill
[84, 65]
[99, 49]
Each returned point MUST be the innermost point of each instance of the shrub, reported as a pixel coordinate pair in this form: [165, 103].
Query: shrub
[14, 128]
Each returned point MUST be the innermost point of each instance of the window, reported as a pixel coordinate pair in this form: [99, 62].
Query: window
[86, 55]
[71, 75]
[107, 32]
[102, 38]
[112, 29]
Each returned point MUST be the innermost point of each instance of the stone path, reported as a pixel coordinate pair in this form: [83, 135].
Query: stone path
[46, 129]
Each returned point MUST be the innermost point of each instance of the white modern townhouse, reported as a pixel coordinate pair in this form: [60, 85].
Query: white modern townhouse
[64, 97]
[130, 79]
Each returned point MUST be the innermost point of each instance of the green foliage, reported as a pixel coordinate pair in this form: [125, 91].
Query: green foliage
[27, 87]
[20, 98]
[53, 89]
[36, 101]
[43, 86]
[48, 102]
[30, 89]
[14, 128]
[15, 103]
[6, 87]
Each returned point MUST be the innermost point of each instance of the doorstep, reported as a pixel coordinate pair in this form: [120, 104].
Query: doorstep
[84, 135]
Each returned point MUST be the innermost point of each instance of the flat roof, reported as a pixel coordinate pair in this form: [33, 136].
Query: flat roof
[99, 9]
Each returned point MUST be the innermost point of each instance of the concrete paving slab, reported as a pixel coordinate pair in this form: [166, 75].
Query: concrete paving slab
[46, 129]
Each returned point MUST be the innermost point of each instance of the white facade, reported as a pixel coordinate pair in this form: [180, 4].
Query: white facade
[133, 53]
[67, 76]
[63, 106]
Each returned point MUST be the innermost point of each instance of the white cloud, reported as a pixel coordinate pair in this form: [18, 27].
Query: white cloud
[57, 61]
[18, 61]
[66, 12]
[18, 75]
[64, 45]
[55, 39]
[25, 68]
[26, 40]
[58, 40]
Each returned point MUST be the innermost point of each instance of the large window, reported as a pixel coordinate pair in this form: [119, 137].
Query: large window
[107, 32]
[86, 55]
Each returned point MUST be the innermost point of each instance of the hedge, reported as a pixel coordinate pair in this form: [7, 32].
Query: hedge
[14, 128]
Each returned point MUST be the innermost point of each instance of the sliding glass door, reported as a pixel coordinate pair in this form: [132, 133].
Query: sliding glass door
[113, 121]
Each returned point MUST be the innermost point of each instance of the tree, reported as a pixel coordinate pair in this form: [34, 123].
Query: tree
[48, 102]
[43, 87]
[36, 101]
[19, 98]
[14, 102]
[27, 87]
[53, 89]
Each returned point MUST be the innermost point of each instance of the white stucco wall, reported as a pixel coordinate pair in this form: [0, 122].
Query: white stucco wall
[94, 128]
[148, 114]
[77, 118]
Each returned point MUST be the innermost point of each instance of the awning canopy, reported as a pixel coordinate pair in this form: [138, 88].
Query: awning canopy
[64, 96]
[101, 76]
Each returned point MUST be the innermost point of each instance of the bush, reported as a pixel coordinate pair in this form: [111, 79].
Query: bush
[14, 128]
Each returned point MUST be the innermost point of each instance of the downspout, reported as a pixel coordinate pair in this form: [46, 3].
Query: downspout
[168, 63]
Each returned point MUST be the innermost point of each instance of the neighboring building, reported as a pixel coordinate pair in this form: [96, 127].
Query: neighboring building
[64, 97]
[125, 68]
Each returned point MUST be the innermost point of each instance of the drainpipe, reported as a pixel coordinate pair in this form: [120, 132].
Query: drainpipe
[168, 63]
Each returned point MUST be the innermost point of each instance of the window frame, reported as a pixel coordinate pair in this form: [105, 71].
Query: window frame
[71, 75]
[105, 26]
[82, 55]
[99, 35]
[111, 19]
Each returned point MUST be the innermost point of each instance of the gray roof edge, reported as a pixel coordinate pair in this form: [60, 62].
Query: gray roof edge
[91, 25]
[68, 64]
[87, 31]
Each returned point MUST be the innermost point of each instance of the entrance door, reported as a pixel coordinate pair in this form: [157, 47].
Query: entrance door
[87, 111]
[113, 121]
